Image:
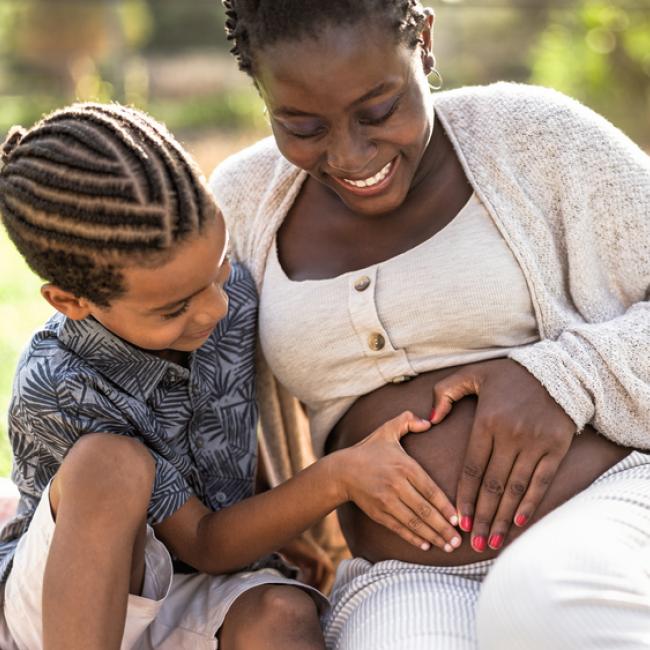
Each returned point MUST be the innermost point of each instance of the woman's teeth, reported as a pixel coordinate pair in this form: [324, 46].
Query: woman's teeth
[373, 180]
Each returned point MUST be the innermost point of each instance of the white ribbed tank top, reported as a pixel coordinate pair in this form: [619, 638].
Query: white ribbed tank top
[456, 298]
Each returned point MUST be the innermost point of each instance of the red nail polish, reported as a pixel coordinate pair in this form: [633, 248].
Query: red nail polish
[433, 414]
[521, 520]
[496, 541]
[466, 523]
[478, 543]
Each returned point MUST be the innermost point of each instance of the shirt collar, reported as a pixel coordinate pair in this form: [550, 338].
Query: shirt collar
[135, 371]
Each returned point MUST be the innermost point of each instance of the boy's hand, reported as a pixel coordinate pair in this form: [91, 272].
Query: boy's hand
[393, 490]
[316, 568]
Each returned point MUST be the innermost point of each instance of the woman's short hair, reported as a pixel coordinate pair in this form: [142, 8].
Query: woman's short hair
[253, 24]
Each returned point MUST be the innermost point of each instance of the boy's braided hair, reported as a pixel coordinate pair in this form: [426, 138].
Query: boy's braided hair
[93, 188]
[254, 24]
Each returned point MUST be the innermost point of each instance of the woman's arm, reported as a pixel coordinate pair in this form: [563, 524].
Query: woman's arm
[377, 474]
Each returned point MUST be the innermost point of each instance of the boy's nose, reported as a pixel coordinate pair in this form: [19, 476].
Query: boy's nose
[213, 308]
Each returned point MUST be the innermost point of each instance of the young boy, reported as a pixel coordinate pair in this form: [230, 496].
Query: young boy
[133, 413]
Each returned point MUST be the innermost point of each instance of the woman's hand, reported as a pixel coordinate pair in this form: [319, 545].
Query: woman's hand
[391, 488]
[315, 566]
[519, 437]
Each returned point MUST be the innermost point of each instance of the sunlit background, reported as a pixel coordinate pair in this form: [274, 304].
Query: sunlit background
[171, 58]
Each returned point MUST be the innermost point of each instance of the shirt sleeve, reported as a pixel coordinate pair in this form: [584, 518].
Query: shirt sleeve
[52, 409]
[599, 370]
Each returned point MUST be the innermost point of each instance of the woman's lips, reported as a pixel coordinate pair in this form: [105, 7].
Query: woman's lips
[373, 184]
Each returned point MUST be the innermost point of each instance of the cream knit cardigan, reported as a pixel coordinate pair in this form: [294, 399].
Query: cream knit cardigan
[571, 196]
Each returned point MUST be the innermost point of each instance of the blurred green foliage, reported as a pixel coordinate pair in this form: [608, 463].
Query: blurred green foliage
[180, 26]
[54, 51]
[599, 53]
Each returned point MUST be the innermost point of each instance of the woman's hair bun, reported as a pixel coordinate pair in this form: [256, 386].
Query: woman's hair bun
[15, 135]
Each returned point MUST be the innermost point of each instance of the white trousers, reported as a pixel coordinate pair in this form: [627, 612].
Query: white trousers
[579, 579]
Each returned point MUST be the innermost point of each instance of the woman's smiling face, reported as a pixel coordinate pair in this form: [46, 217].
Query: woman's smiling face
[352, 107]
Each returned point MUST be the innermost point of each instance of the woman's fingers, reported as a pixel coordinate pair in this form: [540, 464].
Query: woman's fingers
[514, 491]
[539, 483]
[491, 493]
[476, 460]
[315, 565]
[453, 388]
[406, 422]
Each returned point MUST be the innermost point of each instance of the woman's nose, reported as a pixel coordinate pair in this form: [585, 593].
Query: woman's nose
[349, 152]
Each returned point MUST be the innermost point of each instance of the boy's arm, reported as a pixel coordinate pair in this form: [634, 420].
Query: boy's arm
[223, 541]
[376, 474]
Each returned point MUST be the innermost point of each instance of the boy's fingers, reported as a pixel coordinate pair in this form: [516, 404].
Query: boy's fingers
[431, 518]
[412, 521]
[406, 422]
[431, 493]
[396, 526]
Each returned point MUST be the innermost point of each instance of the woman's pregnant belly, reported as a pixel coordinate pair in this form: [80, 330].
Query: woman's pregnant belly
[440, 452]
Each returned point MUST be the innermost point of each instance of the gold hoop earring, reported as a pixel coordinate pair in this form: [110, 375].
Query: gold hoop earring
[439, 82]
[429, 62]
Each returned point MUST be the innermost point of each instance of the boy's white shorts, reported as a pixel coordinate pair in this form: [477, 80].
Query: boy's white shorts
[175, 611]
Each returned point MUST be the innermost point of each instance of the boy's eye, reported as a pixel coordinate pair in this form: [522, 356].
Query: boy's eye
[183, 308]
[380, 113]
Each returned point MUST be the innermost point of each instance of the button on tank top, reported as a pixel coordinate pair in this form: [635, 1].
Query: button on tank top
[456, 298]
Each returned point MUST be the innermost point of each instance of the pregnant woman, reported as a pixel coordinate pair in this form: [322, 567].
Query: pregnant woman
[484, 252]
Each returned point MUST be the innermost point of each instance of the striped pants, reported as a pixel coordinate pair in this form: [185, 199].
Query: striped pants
[577, 580]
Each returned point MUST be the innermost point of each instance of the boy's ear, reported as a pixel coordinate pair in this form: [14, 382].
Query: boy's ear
[65, 302]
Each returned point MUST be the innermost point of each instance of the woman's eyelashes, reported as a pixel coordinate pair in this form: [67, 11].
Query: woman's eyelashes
[373, 117]
[303, 133]
[380, 113]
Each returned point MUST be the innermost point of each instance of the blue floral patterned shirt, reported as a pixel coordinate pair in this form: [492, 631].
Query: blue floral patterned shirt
[199, 424]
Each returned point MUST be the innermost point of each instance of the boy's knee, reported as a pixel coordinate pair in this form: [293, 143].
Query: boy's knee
[287, 613]
[109, 465]
[287, 604]
[281, 612]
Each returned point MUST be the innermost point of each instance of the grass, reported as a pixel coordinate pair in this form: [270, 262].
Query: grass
[22, 310]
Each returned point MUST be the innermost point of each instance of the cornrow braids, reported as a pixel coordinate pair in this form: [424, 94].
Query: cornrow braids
[253, 24]
[93, 188]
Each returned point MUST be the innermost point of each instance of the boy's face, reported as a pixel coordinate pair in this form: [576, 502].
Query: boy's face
[174, 306]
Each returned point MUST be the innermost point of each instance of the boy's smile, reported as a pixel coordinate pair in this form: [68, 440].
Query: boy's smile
[173, 306]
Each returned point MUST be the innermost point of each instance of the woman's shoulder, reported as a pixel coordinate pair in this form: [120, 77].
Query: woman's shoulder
[248, 173]
[253, 189]
[505, 96]
[515, 110]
